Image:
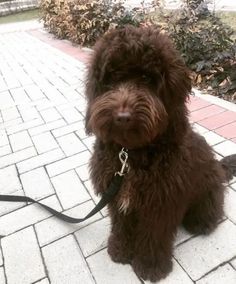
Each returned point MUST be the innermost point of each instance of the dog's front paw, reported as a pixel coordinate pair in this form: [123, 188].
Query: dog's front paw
[117, 251]
[149, 272]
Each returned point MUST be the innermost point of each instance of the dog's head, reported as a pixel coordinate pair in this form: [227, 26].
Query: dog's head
[136, 87]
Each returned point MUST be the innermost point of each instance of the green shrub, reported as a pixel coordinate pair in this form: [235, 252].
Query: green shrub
[83, 21]
[206, 45]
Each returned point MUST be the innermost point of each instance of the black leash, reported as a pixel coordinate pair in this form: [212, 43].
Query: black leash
[107, 196]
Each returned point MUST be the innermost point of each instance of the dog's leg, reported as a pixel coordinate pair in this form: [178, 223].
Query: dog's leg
[121, 238]
[203, 216]
[153, 245]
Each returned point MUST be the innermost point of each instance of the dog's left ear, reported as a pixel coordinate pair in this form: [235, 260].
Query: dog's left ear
[179, 81]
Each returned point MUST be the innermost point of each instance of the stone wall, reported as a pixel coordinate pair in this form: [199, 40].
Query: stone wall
[11, 7]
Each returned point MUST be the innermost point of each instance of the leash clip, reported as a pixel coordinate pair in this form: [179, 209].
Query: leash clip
[123, 156]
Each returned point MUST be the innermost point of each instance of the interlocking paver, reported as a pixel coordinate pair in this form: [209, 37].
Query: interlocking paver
[40, 160]
[28, 112]
[44, 281]
[60, 269]
[9, 180]
[115, 273]
[68, 163]
[42, 108]
[20, 140]
[83, 172]
[223, 274]
[3, 138]
[47, 127]
[71, 144]
[26, 216]
[225, 148]
[44, 142]
[7, 207]
[230, 205]
[70, 189]
[178, 276]
[18, 259]
[68, 129]
[52, 229]
[10, 113]
[36, 183]
[2, 276]
[19, 95]
[212, 138]
[4, 150]
[233, 262]
[50, 114]
[193, 257]
[24, 125]
[1, 259]
[90, 245]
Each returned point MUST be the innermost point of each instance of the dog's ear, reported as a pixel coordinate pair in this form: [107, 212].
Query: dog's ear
[179, 81]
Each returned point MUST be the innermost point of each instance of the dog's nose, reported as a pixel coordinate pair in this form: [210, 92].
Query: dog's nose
[122, 117]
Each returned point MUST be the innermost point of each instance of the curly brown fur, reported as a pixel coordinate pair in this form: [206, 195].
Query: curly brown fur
[136, 89]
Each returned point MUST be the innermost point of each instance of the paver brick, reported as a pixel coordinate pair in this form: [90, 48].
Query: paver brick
[177, 276]
[7, 207]
[233, 262]
[181, 236]
[68, 129]
[71, 144]
[22, 259]
[3, 138]
[10, 113]
[36, 183]
[68, 163]
[70, 189]
[5, 150]
[26, 216]
[224, 274]
[61, 270]
[1, 259]
[23, 126]
[47, 127]
[90, 245]
[9, 180]
[34, 92]
[71, 115]
[212, 138]
[89, 142]
[225, 148]
[28, 112]
[44, 142]
[50, 114]
[114, 273]
[40, 160]
[83, 172]
[2, 276]
[19, 95]
[6, 100]
[44, 281]
[230, 205]
[193, 257]
[20, 140]
[52, 228]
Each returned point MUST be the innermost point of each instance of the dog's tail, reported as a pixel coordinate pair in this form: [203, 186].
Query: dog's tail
[229, 165]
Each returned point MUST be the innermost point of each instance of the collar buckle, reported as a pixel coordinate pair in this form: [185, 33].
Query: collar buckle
[123, 156]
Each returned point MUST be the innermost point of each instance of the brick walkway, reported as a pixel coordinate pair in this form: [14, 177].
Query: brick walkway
[44, 154]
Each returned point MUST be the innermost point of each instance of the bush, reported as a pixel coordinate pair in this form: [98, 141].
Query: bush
[206, 45]
[204, 41]
[83, 21]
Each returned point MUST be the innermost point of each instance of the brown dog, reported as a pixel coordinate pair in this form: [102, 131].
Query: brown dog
[137, 87]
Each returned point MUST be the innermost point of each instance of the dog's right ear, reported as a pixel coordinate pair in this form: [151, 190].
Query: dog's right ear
[93, 84]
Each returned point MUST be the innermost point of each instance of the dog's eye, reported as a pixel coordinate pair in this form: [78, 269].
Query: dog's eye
[146, 78]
